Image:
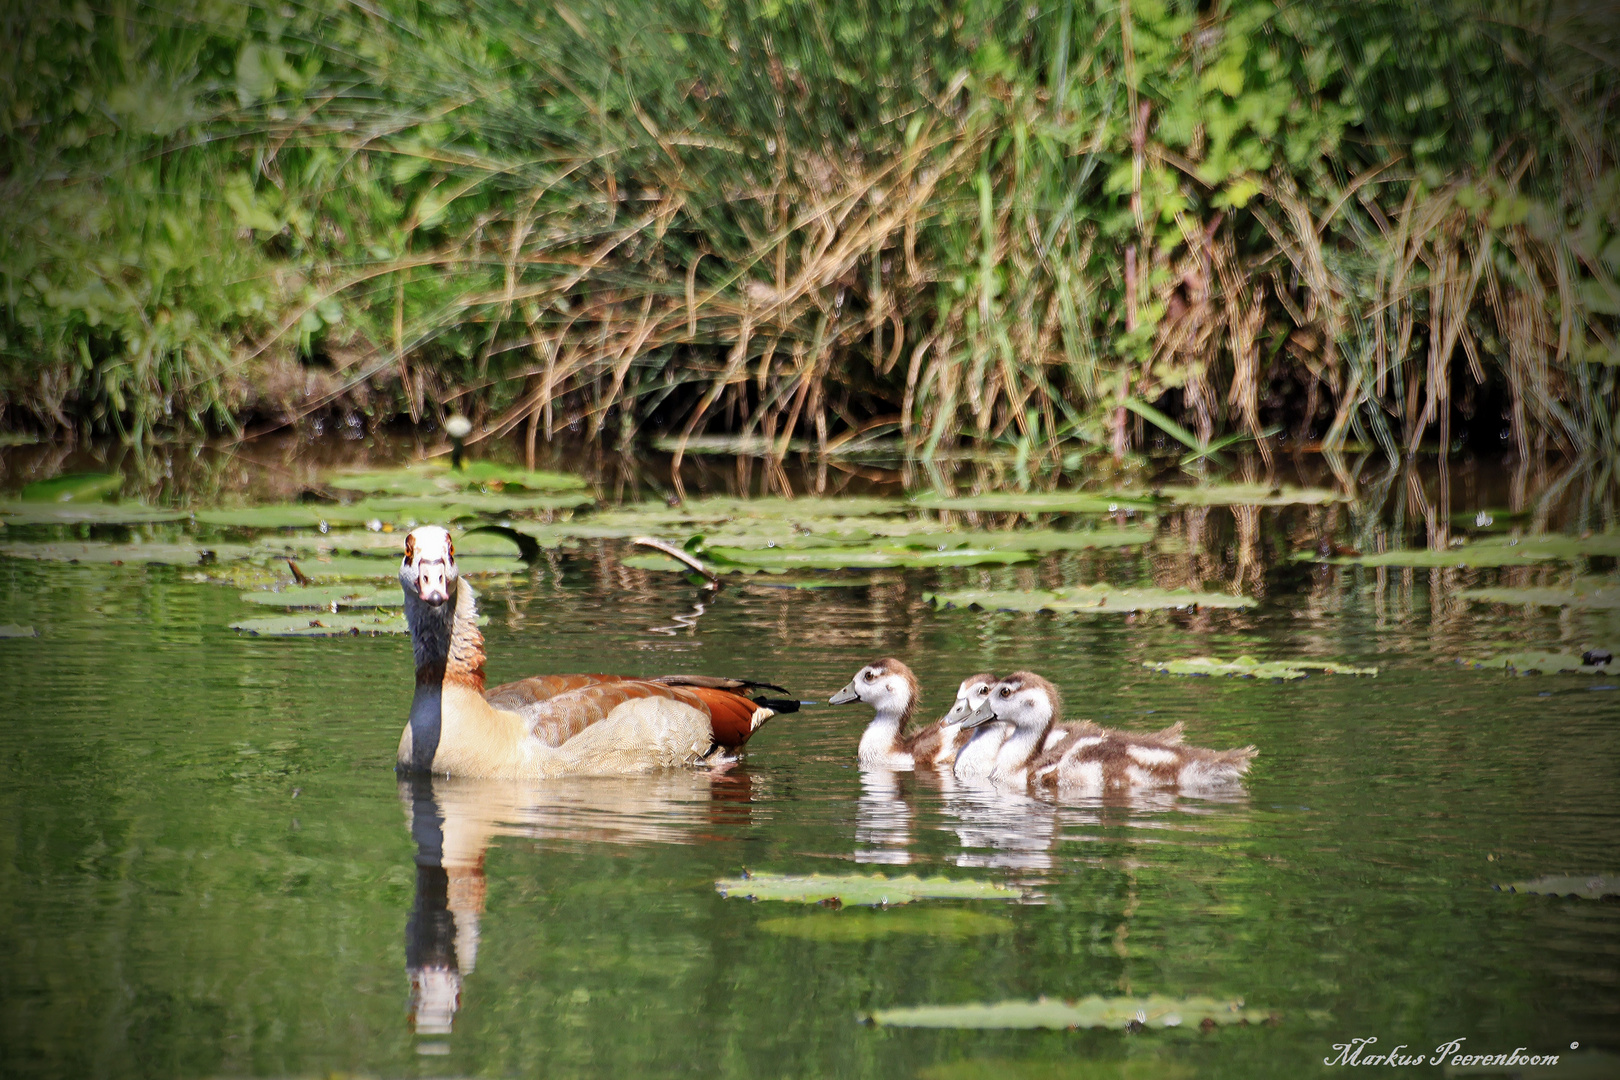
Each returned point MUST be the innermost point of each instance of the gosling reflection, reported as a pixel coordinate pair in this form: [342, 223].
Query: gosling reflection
[882, 819]
[454, 821]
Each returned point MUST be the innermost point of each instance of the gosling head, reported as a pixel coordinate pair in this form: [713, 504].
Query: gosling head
[970, 695]
[1023, 699]
[428, 572]
[887, 685]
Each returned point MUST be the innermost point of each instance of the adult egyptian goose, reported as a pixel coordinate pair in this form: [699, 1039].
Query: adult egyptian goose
[553, 725]
[889, 686]
[1085, 758]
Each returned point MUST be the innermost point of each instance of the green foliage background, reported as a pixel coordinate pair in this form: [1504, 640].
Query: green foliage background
[1027, 224]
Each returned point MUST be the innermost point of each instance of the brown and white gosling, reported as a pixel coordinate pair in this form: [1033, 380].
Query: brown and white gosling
[552, 725]
[1084, 758]
[889, 686]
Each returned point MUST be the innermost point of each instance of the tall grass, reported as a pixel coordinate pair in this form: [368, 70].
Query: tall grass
[1046, 227]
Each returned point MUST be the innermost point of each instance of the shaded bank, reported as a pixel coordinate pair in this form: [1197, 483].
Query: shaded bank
[1054, 228]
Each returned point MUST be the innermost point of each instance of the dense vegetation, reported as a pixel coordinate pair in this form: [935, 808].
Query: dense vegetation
[1029, 224]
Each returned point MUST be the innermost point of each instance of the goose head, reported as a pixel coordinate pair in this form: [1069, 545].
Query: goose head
[428, 572]
[970, 695]
[1023, 699]
[887, 685]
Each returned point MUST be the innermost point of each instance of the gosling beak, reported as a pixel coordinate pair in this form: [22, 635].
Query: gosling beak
[432, 583]
[982, 715]
[844, 696]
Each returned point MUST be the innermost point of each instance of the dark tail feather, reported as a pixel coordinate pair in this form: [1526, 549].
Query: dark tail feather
[714, 682]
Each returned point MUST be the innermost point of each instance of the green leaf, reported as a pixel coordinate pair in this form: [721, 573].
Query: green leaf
[138, 554]
[1049, 502]
[86, 513]
[1539, 663]
[73, 487]
[859, 558]
[1587, 887]
[325, 596]
[1586, 594]
[1247, 667]
[1097, 599]
[860, 889]
[323, 625]
[1088, 1012]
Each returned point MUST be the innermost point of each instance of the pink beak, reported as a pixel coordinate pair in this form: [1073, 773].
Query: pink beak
[431, 583]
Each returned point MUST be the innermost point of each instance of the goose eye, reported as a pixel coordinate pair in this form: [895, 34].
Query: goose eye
[1006, 692]
[868, 676]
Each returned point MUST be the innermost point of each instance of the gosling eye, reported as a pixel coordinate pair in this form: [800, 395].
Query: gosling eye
[1006, 692]
[868, 676]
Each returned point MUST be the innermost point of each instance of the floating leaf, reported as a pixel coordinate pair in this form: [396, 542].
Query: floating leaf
[856, 558]
[1097, 598]
[860, 889]
[12, 630]
[1088, 1012]
[86, 513]
[1043, 502]
[324, 596]
[430, 478]
[1543, 663]
[140, 554]
[285, 516]
[1588, 594]
[1489, 551]
[323, 625]
[1247, 667]
[1250, 495]
[1589, 887]
[73, 487]
[864, 925]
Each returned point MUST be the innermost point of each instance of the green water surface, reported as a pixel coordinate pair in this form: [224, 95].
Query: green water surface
[210, 869]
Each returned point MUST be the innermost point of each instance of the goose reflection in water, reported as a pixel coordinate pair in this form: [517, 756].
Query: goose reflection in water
[454, 821]
[882, 819]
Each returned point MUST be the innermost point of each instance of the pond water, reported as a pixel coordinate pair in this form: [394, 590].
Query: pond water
[210, 868]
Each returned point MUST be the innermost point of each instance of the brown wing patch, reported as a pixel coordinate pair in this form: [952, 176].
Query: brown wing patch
[731, 716]
[517, 696]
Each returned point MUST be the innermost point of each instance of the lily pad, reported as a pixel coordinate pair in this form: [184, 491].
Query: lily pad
[86, 513]
[143, 554]
[1489, 551]
[860, 889]
[1588, 887]
[73, 487]
[12, 630]
[285, 516]
[1250, 495]
[1247, 667]
[864, 925]
[1588, 594]
[325, 596]
[1096, 598]
[1088, 1012]
[855, 558]
[1543, 663]
[323, 625]
[1039, 502]
[430, 478]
